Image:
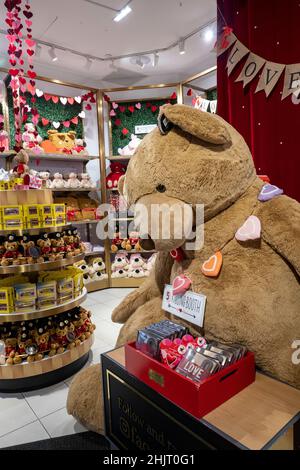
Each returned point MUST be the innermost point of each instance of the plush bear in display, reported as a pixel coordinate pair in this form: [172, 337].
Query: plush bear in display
[73, 181]
[116, 171]
[129, 149]
[254, 299]
[59, 142]
[31, 139]
[86, 181]
[58, 181]
[45, 177]
[80, 148]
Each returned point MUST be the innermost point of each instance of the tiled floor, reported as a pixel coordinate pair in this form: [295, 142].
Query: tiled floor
[33, 416]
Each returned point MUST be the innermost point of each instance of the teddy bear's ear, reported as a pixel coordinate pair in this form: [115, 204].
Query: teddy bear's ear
[72, 134]
[200, 124]
[52, 132]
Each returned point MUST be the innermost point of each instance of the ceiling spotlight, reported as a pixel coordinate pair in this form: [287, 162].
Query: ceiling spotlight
[89, 63]
[155, 59]
[208, 35]
[124, 12]
[38, 51]
[181, 46]
[141, 60]
[52, 54]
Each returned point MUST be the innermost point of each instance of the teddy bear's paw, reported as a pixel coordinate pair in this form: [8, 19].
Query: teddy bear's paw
[85, 398]
[127, 307]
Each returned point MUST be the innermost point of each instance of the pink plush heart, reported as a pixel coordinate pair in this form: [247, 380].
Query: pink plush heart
[250, 230]
[115, 105]
[138, 105]
[112, 113]
[181, 284]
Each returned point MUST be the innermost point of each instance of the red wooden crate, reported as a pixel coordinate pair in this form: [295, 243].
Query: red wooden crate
[197, 399]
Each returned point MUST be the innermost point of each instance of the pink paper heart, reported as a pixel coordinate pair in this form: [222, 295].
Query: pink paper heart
[66, 123]
[55, 99]
[18, 138]
[71, 100]
[35, 120]
[23, 88]
[138, 106]
[28, 23]
[112, 113]
[14, 84]
[31, 89]
[250, 230]
[115, 105]
[11, 38]
[30, 43]
[181, 284]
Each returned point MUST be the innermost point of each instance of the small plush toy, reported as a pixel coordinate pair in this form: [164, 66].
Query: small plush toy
[137, 273]
[120, 262]
[46, 249]
[21, 167]
[99, 276]
[98, 264]
[31, 139]
[129, 149]
[79, 148]
[119, 273]
[28, 249]
[45, 177]
[57, 245]
[4, 141]
[73, 181]
[116, 243]
[116, 171]
[136, 261]
[58, 181]
[12, 254]
[59, 142]
[86, 181]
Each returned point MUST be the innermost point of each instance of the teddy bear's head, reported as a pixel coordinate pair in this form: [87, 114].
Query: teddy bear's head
[29, 127]
[193, 158]
[62, 140]
[117, 167]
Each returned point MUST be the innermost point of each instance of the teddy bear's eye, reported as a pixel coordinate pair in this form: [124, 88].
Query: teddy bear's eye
[161, 188]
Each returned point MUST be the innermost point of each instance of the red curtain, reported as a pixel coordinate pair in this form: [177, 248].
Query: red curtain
[271, 127]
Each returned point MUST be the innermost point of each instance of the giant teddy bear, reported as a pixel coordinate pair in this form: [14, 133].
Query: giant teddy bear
[196, 157]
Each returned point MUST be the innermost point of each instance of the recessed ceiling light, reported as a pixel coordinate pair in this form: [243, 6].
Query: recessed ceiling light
[52, 54]
[124, 12]
[140, 60]
[181, 46]
[208, 35]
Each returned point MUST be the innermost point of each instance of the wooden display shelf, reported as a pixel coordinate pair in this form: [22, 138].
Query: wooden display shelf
[49, 364]
[74, 190]
[97, 285]
[35, 231]
[116, 158]
[22, 197]
[132, 252]
[54, 156]
[47, 265]
[46, 312]
[127, 282]
[94, 253]
[84, 222]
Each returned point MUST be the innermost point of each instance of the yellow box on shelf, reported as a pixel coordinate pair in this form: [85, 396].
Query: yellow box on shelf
[13, 224]
[33, 222]
[45, 210]
[25, 292]
[12, 212]
[6, 299]
[31, 211]
[58, 210]
[46, 290]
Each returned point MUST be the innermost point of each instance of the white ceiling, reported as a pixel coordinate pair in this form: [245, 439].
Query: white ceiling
[90, 29]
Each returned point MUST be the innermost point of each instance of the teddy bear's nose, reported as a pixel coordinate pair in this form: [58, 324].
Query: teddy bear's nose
[146, 242]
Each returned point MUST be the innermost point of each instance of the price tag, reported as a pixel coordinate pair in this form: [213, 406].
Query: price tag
[144, 129]
[189, 307]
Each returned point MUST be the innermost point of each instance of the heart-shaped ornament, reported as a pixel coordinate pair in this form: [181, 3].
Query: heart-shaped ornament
[67, 124]
[13, 72]
[131, 109]
[39, 93]
[153, 108]
[181, 284]
[88, 107]
[189, 92]
[250, 230]
[70, 100]
[31, 89]
[268, 192]
[74, 120]
[28, 23]
[35, 120]
[173, 96]
[11, 38]
[82, 115]
[115, 105]
[122, 109]
[31, 74]
[56, 125]
[30, 43]
[47, 97]
[30, 52]
[55, 99]
[23, 88]
[78, 99]
[14, 84]
[125, 131]
[63, 100]
[212, 266]
[117, 122]
[45, 121]
[138, 105]
[112, 113]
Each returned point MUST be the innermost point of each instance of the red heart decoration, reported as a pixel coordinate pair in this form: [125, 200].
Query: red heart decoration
[16, 110]
[15, 94]
[55, 99]
[67, 123]
[31, 74]
[22, 80]
[71, 100]
[92, 100]
[153, 108]
[9, 22]
[28, 23]
[88, 107]
[148, 105]
[173, 96]
[31, 66]
[131, 109]
[30, 52]
[21, 62]
[33, 100]
[189, 92]
[30, 43]
[25, 117]
[13, 72]
[125, 131]
[45, 121]
[118, 122]
[2, 149]
[122, 109]
[13, 63]
[32, 82]
[75, 120]
[28, 14]
[47, 97]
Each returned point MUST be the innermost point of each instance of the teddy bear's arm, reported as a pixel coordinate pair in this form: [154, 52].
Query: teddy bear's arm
[280, 220]
[152, 287]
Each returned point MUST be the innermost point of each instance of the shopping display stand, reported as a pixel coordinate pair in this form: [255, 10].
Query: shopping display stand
[49, 370]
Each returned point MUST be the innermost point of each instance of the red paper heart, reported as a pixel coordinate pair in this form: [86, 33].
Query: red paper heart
[153, 108]
[88, 107]
[75, 120]
[30, 42]
[21, 62]
[67, 123]
[55, 99]
[189, 92]
[28, 14]
[31, 74]
[122, 109]
[125, 131]
[45, 122]
[30, 52]
[118, 122]
[9, 22]
[131, 109]
[47, 97]
[13, 63]
[22, 80]
[13, 72]
[173, 96]
[32, 82]
[25, 117]
[92, 100]
[33, 100]
[2, 149]
[28, 23]
[148, 105]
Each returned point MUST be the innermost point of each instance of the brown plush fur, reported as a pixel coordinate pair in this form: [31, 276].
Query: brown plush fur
[256, 298]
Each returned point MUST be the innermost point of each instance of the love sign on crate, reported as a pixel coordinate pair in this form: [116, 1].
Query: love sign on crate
[189, 306]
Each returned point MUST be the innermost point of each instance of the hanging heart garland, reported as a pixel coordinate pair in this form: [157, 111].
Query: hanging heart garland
[31, 44]
[67, 123]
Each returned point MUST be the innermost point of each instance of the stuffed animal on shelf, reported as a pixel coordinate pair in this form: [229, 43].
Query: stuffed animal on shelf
[251, 284]
[45, 177]
[99, 276]
[86, 181]
[12, 254]
[137, 273]
[120, 262]
[59, 142]
[45, 245]
[73, 181]
[119, 273]
[116, 243]
[129, 149]
[98, 264]
[4, 141]
[31, 139]
[21, 168]
[136, 261]
[58, 182]
[116, 171]
[132, 243]
[80, 148]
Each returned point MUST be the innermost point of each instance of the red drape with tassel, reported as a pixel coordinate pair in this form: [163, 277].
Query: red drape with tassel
[271, 127]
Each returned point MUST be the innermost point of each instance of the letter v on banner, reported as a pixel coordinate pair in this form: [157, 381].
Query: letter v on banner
[269, 77]
[235, 56]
